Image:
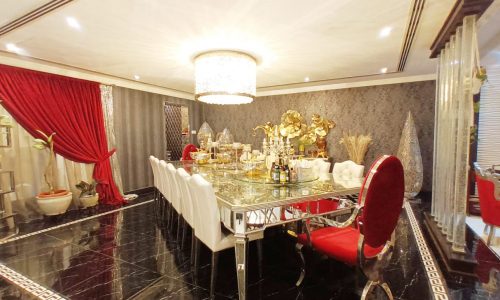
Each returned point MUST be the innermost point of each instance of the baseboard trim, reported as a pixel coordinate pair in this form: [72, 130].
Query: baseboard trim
[142, 191]
[454, 263]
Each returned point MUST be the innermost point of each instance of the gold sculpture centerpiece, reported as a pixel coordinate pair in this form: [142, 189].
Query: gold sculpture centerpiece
[321, 127]
[294, 126]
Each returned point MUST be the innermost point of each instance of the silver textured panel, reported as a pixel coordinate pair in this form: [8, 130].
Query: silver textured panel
[173, 130]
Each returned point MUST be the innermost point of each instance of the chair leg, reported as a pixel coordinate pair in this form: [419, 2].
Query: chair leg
[213, 276]
[179, 221]
[184, 232]
[166, 213]
[387, 290]
[193, 241]
[171, 218]
[260, 257]
[298, 249]
[196, 256]
[485, 230]
[370, 285]
[491, 235]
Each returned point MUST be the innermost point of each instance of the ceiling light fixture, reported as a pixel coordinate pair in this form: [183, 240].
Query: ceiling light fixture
[385, 32]
[225, 77]
[12, 48]
[137, 77]
[383, 70]
[306, 79]
[73, 23]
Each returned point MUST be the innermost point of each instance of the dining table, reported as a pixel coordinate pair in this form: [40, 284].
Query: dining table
[249, 205]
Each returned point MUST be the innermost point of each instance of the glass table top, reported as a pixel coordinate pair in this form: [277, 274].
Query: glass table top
[245, 195]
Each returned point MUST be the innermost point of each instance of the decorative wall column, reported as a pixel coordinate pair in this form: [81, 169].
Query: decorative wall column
[453, 121]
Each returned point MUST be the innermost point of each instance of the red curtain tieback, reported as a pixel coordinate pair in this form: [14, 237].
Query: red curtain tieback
[107, 156]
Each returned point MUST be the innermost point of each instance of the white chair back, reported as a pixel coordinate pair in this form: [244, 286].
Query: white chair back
[348, 170]
[183, 179]
[163, 182]
[153, 161]
[173, 188]
[206, 212]
[322, 168]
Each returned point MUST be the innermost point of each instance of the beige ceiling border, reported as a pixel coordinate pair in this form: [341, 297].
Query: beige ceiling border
[348, 84]
[54, 68]
[59, 69]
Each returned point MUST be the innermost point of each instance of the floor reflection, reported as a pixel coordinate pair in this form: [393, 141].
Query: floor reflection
[129, 254]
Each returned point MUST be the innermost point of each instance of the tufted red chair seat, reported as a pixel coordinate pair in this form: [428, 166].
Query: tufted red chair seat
[490, 206]
[339, 243]
[187, 150]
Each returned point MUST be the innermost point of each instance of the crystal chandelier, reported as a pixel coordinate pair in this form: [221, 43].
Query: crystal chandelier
[225, 77]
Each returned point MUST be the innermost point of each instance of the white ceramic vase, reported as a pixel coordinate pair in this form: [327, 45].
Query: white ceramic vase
[89, 200]
[52, 206]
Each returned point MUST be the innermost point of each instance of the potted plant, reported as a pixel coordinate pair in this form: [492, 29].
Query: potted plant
[54, 201]
[88, 195]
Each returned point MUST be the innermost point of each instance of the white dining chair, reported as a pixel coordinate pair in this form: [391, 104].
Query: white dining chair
[207, 223]
[348, 174]
[163, 184]
[156, 184]
[348, 170]
[173, 191]
[186, 203]
[322, 168]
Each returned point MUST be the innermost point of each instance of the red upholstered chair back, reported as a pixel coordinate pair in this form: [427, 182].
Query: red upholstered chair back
[188, 149]
[382, 196]
[490, 206]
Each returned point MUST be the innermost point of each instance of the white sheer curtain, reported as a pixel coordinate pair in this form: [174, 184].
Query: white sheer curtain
[107, 109]
[28, 165]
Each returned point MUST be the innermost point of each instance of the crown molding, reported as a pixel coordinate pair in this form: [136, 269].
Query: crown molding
[360, 82]
[15, 60]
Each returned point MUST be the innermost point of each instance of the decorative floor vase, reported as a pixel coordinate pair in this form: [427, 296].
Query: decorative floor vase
[409, 154]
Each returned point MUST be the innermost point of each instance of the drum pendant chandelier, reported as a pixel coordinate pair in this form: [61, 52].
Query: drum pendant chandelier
[225, 77]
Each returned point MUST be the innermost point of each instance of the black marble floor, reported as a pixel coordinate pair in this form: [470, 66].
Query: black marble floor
[485, 283]
[40, 222]
[129, 254]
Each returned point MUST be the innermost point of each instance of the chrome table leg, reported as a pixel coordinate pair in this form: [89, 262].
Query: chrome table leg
[240, 250]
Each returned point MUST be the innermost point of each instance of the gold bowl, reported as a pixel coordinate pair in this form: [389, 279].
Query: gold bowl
[202, 158]
[223, 158]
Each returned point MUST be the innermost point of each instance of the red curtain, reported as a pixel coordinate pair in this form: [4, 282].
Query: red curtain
[69, 107]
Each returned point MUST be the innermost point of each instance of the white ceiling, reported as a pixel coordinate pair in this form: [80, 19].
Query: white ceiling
[156, 39]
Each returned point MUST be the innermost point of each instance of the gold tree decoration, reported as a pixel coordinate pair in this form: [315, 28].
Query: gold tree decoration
[321, 126]
[356, 146]
[292, 124]
[47, 144]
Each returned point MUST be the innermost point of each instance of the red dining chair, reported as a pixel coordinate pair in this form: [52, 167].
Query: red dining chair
[488, 186]
[187, 150]
[366, 238]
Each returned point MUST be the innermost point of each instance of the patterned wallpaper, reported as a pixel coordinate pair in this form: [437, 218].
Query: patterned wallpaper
[139, 123]
[379, 110]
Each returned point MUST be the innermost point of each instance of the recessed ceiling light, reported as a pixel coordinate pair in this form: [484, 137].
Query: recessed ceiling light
[73, 23]
[306, 79]
[137, 77]
[383, 70]
[12, 48]
[385, 32]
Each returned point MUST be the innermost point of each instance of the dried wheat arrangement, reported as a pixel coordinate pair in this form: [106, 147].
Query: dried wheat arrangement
[356, 146]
